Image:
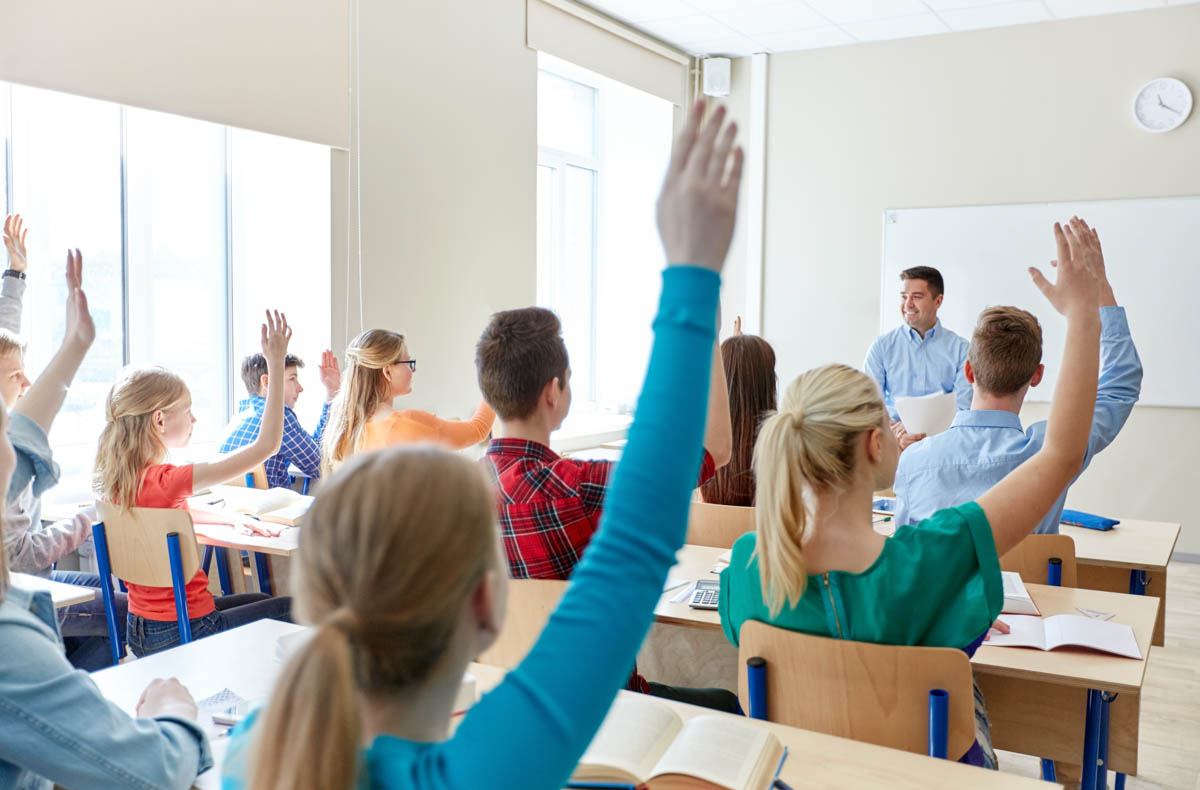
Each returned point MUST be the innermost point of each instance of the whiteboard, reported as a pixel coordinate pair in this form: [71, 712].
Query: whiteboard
[1151, 253]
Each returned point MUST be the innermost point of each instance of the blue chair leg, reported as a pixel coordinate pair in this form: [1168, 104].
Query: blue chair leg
[180, 586]
[263, 567]
[121, 583]
[249, 480]
[206, 563]
[1049, 773]
[304, 486]
[1054, 572]
[756, 682]
[1120, 783]
[1091, 739]
[939, 709]
[222, 559]
[1102, 760]
[104, 567]
[1137, 582]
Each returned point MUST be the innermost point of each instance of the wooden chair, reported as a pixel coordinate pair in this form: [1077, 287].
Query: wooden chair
[155, 547]
[879, 694]
[1032, 555]
[718, 525]
[530, 604]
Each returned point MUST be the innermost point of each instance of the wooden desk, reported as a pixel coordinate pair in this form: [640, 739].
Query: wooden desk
[693, 562]
[1132, 557]
[61, 594]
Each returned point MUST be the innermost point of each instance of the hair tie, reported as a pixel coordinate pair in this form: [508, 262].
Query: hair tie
[345, 620]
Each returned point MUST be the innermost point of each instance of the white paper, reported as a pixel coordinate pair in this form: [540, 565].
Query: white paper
[684, 594]
[1016, 598]
[674, 582]
[928, 414]
[1064, 630]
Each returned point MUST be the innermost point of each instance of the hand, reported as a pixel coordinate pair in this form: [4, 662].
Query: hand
[999, 626]
[251, 526]
[14, 239]
[698, 202]
[1080, 271]
[331, 374]
[898, 429]
[80, 328]
[276, 334]
[166, 698]
[910, 439]
[737, 325]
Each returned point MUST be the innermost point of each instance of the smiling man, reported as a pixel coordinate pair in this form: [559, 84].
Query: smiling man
[920, 356]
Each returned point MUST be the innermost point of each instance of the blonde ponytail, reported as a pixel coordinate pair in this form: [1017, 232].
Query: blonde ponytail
[807, 447]
[394, 545]
[363, 389]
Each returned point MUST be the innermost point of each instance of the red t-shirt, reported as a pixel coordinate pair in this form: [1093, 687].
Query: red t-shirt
[167, 486]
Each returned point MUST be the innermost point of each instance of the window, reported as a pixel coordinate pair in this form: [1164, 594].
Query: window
[602, 150]
[183, 225]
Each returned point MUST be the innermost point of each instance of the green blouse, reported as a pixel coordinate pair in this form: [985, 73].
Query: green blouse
[935, 584]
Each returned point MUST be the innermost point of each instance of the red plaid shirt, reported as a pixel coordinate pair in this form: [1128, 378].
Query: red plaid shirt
[550, 507]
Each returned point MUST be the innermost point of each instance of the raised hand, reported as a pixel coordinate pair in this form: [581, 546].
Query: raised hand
[276, 334]
[737, 325]
[14, 239]
[698, 202]
[1080, 267]
[80, 328]
[331, 374]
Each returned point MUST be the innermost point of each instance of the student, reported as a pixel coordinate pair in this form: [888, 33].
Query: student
[921, 356]
[58, 728]
[816, 565]
[405, 583]
[749, 363]
[379, 370]
[986, 443]
[298, 448]
[33, 546]
[150, 412]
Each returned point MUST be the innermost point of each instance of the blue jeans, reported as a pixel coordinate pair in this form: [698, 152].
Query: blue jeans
[152, 636]
[83, 625]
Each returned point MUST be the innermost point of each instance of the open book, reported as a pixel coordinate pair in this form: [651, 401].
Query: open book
[1063, 630]
[1016, 597]
[643, 741]
[277, 505]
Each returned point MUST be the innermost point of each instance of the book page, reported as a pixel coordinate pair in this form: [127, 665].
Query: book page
[1025, 631]
[257, 501]
[290, 514]
[1016, 598]
[1071, 629]
[717, 749]
[633, 736]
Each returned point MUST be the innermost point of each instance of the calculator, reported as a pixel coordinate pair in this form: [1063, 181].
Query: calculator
[705, 596]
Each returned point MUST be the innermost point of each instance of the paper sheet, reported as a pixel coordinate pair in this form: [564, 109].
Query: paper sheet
[928, 414]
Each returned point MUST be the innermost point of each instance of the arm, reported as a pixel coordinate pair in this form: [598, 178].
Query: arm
[32, 546]
[530, 731]
[12, 292]
[275, 336]
[873, 365]
[455, 434]
[300, 448]
[718, 430]
[1017, 503]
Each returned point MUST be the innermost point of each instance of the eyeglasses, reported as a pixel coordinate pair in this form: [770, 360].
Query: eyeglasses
[412, 364]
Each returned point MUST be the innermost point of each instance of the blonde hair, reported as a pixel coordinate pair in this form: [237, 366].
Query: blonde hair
[363, 389]
[394, 545]
[806, 447]
[129, 442]
[10, 342]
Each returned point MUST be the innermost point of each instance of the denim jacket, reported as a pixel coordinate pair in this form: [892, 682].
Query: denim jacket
[57, 728]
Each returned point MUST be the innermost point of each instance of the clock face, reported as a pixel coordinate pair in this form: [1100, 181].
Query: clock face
[1162, 105]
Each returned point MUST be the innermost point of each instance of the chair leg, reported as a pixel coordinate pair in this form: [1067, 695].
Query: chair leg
[756, 682]
[104, 567]
[1049, 774]
[222, 560]
[1091, 739]
[304, 486]
[206, 562]
[263, 568]
[179, 584]
[939, 711]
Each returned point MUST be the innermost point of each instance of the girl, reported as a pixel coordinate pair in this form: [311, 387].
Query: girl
[402, 575]
[816, 565]
[379, 370]
[149, 413]
[750, 371]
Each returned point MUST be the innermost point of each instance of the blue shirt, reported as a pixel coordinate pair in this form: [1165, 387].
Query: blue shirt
[983, 446]
[530, 731]
[907, 365]
[298, 447]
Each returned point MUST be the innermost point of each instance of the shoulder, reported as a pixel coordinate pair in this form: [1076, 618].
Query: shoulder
[413, 416]
[167, 478]
[32, 640]
[742, 553]
[887, 339]
[949, 523]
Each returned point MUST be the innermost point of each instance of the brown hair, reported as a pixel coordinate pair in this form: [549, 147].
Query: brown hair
[363, 389]
[254, 367]
[395, 543]
[518, 354]
[129, 443]
[937, 286]
[750, 375]
[805, 448]
[1006, 349]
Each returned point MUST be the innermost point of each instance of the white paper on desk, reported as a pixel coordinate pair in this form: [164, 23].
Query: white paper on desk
[287, 540]
[674, 582]
[1066, 630]
[684, 594]
[928, 414]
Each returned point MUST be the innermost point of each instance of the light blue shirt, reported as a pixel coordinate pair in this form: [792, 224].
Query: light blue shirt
[907, 365]
[983, 446]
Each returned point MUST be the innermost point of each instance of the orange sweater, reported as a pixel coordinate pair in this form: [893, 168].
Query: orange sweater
[412, 426]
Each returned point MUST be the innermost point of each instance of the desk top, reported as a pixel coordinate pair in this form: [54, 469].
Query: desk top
[693, 562]
[1076, 666]
[1133, 543]
[582, 431]
[61, 594]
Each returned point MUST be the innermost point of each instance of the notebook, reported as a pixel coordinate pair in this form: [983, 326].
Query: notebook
[1016, 597]
[1066, 630]
[644, 741]
[277, 505]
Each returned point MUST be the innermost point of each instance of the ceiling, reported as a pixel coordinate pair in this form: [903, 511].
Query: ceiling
[742, 27]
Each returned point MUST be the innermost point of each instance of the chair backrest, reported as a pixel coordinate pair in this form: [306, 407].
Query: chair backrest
[867, 692]
[718, 525]
[1031, 556]
[530, 604]
[137, 543]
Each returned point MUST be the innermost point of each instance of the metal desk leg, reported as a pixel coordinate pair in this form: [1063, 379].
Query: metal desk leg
[1091, 739]
[1049, 773]
[264, 572]
[1137, 582]
[1102, 755]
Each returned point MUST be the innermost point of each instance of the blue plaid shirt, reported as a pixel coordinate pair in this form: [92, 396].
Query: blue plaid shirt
[298, 447]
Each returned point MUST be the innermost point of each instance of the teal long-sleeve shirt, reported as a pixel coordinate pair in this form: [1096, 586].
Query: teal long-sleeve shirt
[530, 731]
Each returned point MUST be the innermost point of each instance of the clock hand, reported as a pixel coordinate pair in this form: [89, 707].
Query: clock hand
[1160, 101]
[1168, 107]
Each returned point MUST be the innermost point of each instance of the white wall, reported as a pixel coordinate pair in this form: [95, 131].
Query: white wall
[1015, 115]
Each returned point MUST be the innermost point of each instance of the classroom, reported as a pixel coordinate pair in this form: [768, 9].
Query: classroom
[512, 394]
